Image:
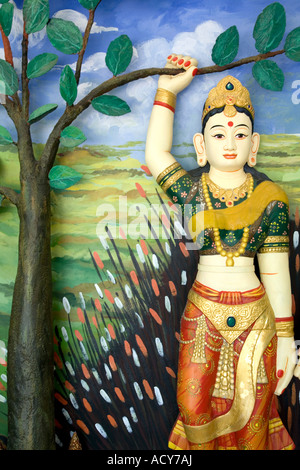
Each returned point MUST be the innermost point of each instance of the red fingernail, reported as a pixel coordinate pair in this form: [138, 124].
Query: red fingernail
[169, 57]
[180, 61]
[187, 63]
[174, 59]
[280, 373]
[195, 72]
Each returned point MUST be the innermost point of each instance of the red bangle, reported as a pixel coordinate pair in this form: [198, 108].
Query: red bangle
[165, 98]
[284, 319]
[165, 105]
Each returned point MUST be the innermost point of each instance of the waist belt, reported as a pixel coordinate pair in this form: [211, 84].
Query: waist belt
[230, 320]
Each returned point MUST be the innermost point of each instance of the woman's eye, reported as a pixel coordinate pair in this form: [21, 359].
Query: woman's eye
[218, 136]
[241, 136]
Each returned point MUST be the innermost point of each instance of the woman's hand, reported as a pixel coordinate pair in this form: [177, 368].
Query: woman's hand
[177, 83]
[286, 360]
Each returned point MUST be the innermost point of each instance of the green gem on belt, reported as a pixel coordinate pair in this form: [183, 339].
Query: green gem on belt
[231, 322]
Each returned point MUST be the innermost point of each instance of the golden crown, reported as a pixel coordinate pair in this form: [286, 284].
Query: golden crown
[228, 92]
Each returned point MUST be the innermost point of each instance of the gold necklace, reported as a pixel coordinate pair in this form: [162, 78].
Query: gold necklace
[245, 238]
[229, 196]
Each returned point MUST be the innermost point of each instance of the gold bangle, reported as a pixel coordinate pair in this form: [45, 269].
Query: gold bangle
[285, 327]
[166, 171]
[165, 98]
[274, 249]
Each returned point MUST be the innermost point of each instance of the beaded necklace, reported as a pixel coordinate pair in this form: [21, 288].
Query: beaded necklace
[245, 238]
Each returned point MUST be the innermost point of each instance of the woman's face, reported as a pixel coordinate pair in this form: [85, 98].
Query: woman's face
[228, 142]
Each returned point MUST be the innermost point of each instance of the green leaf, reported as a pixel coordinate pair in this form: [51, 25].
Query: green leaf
[64, 35]
[119, 54]
[269, 28]
[292, 45]
[62, 177]
[6, 17]
[268, 75]
[41, 64]
[89, 4]
[5, 137]
[9, 83]
[72, 136]
[226, 47]
[110, 105]
[41, 112]
[36, 15]
[68, 85]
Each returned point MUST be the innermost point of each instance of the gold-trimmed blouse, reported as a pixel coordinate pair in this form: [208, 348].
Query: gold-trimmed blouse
[266, 213]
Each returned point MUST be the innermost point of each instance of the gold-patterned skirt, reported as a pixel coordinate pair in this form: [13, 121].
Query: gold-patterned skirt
[227, 373]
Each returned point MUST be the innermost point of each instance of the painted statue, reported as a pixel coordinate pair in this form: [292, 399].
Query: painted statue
[237, 342]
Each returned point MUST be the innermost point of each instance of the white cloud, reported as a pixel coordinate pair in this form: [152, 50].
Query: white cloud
[102, 29]
[81, 21]
[142, 90]
[17, 26]
[93, 63]
[152, 53]
[197, 43]
[84, 89]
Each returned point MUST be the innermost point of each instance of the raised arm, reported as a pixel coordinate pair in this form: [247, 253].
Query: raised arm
[160, 130]
[275, 276]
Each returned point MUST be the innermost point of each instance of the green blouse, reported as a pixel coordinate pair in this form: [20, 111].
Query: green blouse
[268, 223]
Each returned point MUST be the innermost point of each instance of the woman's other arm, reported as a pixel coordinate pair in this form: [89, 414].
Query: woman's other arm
[160, 130]
[275, 276]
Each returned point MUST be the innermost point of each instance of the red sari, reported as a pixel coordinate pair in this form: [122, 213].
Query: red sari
[225, 389]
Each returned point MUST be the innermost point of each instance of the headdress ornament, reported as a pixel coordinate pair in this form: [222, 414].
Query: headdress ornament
[228, 92]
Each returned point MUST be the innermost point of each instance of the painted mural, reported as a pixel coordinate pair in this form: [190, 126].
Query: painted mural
[121, 269]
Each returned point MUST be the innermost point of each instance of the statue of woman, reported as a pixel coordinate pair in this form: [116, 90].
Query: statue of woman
[237, 342]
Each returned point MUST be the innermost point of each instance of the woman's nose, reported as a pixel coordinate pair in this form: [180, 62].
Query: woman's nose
[230, 143]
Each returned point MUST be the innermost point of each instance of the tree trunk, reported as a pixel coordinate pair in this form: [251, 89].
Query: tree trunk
[30, 343]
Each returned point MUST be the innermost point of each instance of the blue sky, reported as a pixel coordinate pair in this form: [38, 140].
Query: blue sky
[156, 29]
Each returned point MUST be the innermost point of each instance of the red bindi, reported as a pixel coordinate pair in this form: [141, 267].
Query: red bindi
[230, 124]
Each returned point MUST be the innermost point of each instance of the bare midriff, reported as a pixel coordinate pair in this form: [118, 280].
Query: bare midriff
[213, 273]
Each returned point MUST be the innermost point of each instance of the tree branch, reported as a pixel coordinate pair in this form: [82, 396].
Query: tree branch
[7, 49]
[71, 113]
[238, 63]
[10, 194]
[85, 41]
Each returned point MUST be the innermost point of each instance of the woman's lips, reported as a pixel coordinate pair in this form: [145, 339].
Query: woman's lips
[230, 156]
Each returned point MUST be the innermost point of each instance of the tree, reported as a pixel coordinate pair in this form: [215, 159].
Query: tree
[30, 345]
